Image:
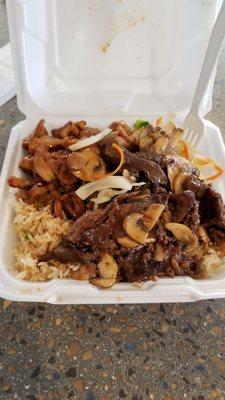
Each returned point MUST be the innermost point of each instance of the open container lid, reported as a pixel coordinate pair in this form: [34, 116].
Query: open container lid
[109, 57]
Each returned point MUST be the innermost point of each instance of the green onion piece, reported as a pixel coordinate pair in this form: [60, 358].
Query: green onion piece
[140, 123]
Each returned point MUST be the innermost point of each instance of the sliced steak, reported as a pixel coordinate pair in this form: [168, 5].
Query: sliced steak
[212, 209]
[185, 208]
[82, 224]
[150, 169]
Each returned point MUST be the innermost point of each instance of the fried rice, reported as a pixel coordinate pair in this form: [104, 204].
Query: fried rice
[38, 231]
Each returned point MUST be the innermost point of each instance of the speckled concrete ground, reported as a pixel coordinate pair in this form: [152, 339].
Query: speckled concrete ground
[155, 352]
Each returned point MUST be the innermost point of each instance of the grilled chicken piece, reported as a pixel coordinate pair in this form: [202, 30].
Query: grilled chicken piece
[42, 165]
[37, 191]
[19, 183]
[73, 206]
[67, 130]
[58, 162]
[40, 129]
[27, 164]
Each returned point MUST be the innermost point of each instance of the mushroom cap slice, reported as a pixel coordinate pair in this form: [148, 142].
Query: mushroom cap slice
[127, 242]
[87, 164]
[84, 272]
[179, 180]
[160, 144]
[103, 283]
[152, 214]
[135, 228]
[107, 267]
[184, 234]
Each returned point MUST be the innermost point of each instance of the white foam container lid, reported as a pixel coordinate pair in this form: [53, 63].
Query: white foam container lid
[102, 61]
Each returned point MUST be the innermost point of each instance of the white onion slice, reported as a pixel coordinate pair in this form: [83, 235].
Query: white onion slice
[106, 195]
[109, 182]
[90, 140]
[137, 184]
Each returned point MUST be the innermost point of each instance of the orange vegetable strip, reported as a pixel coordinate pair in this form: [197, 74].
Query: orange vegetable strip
[217, 175]
[119, 151]
[185, 149]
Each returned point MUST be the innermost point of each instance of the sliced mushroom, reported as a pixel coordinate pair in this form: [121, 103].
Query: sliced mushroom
[75, 161]
[152, 214]
[177, 134]
[156, 135]
[135, 228]
[174, 264]
[169, 128]
[172, 171]
[127, 242]
[159, 255]
[107, 267]
[87, 164]
[178, 181]
[184, 234]
[103, 283]
[161, 144]
[84, 272]
[178, 171]
[142, 137]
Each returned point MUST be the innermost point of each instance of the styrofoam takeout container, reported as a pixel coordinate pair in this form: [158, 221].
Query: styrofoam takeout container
[101, 61]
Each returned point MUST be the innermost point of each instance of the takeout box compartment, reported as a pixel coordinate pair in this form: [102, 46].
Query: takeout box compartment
[74, 292]
[101, 61]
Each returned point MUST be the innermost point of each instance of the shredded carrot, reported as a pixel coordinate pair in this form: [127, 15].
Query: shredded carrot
[204, 162]
[185, 150]
[158, 121]
[119, 150]
[219, 170]
[201, 161]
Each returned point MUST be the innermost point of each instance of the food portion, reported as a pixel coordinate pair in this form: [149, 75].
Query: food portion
[122, 204]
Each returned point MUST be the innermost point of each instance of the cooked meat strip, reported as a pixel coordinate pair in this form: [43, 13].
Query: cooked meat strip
[40, 129]
[42, 164]
[150, 169]
[58, 209]
[87, 132]
[27, 164]
[212, 210]
[216, 235]
[58, 163]
[211, 207]
[140, 266]
[20, 183]
[99, 229]
[185, 208]
[65, 253]
[195, 185]
[85, 222]
[73, 205]
[68, 129]
[37, 191]
[49, 142]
